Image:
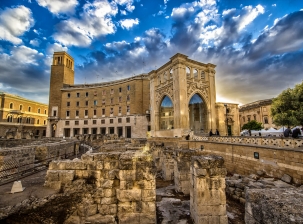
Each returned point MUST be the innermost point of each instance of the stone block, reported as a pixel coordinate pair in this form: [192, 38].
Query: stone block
[129, 195]
[107, 209]
[110, 165]
[209, 210]
[223, 219]
[56, 185]
[66, 176]
[148, 207]
[57, 165]
[145, 184]
[87, 158]
[82, 174]
[109, 192]
[101, 219]
[148, 219]
[126, 207]
[108, 200]
[133, 218]
[107, 183]
[286, 178]
[73, 220]
[76, 164]
[200, 172]
[87, 210]
[99, 165]
[127, 175]
[52, 175]
[126, 185]
[149, 195]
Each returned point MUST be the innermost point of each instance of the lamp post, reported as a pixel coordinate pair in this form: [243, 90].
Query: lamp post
[225, 105]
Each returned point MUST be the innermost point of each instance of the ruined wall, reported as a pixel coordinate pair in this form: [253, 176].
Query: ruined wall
[207, 190]
[124, 187]
[275, 162]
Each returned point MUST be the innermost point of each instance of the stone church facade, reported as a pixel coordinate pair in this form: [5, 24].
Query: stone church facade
[177, 99]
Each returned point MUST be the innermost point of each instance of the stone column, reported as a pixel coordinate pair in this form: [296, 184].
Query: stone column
[207, 190]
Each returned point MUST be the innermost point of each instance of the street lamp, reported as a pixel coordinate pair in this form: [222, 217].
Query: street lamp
[225, 105]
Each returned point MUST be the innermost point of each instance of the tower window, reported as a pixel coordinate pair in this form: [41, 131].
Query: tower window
[120, 89]
[20, 107]
[78, 94]
[128, 88]
[29, 109]
[11, 106]
[86, 94]
[38, 110]
[68, 95]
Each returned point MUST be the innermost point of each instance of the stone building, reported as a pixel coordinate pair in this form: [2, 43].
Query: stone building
[173, 100]
[258, 111]
[19, 116]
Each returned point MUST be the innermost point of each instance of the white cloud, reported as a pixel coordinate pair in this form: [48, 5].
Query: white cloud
[94, 21]
[127, 3]
[51, 48]
[25, 55]
[123, 12]
[35, 42]
[250, 16]
[274, 5]
[128, 23]
[14, 22]
[166, 17]
[59, 6]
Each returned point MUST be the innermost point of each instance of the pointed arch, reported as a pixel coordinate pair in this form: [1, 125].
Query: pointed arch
[166, 111]
[197, 109]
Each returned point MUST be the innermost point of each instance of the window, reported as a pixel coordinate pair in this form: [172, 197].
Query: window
[265, 120]
[202, 75]
[68, 95]
[111, 121]
[195, 73]
[128, 88]
[95, 93]
[248, 119]
[103, 92]
[111, 110]
[95, 102]
[127, 98]
[120, 99]
[77, 113]
[66, 122]
[103, 111]
[127, 120]
[54, 113]
[85, 121]
[11, 106]
[120, 109]
[76, 122]
[78, 94]
[29, 109]
[119, 120]
[67, 113]
[44, 111]
[38, 121]
[44, 122]
[111, 100]
[86, 113]
[86, 94]
[86, 103]
[94, 121]
[255, 117]
[67, 104]
[77, 103]
[120, 89]
[127, 109]
[38, 110]
[103, 101]
[19, 120]
[95, 112]
[28, 120]
[112, 91]
[10, 118]
[20, 107]
[102, 121]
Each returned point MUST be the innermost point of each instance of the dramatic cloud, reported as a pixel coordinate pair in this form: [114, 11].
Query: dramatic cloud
[285, 36]
[127, 3]
[14, 22]
[59, 6]
[128, 23]
[35, 42]
[95, 21]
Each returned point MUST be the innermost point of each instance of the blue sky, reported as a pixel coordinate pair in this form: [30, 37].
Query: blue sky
[257, 45]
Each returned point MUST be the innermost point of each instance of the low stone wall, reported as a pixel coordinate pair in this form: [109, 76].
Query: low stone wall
[207, 192]
[124, 187]
[167, 163]
[182, 160]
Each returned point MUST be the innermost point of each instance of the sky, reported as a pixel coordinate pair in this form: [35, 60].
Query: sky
[257, 45]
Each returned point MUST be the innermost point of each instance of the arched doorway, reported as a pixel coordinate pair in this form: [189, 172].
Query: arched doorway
[166, 114]
[197, 114]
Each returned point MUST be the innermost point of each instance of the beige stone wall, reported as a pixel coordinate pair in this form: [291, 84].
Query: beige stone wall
[207, 190]
[124, 187]
[240, 159]
[232, 117]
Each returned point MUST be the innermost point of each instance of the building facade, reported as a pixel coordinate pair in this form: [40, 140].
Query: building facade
[173, 100]
[21, 118]
[258, 111]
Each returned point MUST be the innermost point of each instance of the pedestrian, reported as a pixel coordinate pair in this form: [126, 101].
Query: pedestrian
[210, 133]
[295, 133]
[217, 132]
[287, 132]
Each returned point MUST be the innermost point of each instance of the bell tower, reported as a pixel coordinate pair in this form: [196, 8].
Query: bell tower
[62, 73]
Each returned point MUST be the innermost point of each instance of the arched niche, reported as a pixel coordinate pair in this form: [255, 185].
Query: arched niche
[166, 120]
[197, 114]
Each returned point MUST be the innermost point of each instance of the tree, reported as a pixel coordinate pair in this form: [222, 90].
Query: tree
[252, 125]
[287, 108]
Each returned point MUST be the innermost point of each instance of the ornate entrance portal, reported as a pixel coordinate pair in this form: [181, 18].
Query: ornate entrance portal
[197, 114]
